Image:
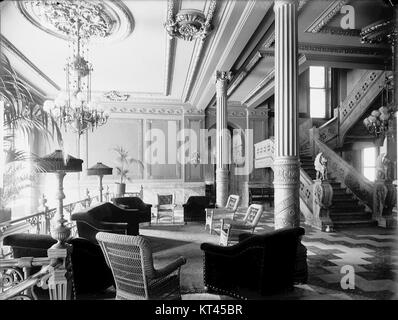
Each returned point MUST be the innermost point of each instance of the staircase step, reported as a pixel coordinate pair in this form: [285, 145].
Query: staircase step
[345, 214]
[354, 223]
[347, 203]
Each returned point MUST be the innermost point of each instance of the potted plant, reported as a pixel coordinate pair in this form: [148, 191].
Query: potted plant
[123, 168]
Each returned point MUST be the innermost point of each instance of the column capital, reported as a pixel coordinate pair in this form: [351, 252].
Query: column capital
[223, 76]
[279, 3]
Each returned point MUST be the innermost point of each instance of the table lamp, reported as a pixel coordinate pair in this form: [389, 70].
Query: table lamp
[99, 170]
[60, 164]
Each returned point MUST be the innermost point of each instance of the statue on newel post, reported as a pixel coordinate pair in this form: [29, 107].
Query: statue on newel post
[322, 195]
[384, 193]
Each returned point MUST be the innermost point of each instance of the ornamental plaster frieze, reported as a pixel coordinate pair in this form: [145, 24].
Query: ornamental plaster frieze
[146, 110]
[332, 10]
[241, 112]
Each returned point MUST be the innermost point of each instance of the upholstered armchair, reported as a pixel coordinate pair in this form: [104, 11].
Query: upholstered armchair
[215, 214]
[230, 229]
[256, 266]
[165, 206]
[133, 270]
[91, 273]
[144, 209]
[106, 217]
[195, 208]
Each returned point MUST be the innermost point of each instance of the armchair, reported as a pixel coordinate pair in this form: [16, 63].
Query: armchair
[90, 271]
[231, 228]
[144, 209]
[106, 217]
[133, 270]
[258, 265]
[195, 208]
[219, 213]
[165, 206]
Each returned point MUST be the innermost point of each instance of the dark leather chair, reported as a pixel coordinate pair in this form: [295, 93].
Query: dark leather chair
[91, 274]
[194, 208]
[256, 266]
[106, 217]
[144, 209]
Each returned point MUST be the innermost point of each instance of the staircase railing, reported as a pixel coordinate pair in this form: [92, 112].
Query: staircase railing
[264, 158]
[352, 108]
[346, 174]
[16, 282]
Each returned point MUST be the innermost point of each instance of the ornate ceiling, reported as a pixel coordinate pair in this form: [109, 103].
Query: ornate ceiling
[138, 63]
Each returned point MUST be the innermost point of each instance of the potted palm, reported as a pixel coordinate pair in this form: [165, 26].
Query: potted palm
[123, 168]
[22, 115]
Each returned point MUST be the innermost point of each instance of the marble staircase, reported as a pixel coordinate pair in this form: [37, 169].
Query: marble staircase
[346, 211]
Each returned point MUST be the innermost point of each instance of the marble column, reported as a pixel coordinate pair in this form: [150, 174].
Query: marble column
[222, 142]
[286, 165]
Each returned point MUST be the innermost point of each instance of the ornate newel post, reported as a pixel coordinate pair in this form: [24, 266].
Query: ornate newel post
[222, 144]
[60, 281]
[322, 196]
[384, 192]
[286, 164]
[99, 170]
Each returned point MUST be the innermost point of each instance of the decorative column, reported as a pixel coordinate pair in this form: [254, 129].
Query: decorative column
[222, 143]
[286, 165]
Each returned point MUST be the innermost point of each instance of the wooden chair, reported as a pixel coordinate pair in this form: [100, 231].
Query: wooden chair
[165, 206]
[231, 228]
[213, 214]
[130, 259]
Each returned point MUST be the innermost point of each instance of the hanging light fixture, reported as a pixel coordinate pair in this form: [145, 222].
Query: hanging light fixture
[75, 107]
[377, 123]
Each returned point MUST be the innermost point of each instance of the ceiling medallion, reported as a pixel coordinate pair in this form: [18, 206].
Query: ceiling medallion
[189, 24]
[95, 20]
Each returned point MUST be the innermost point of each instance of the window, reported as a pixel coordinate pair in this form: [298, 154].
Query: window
[317, 92]
[369, 163]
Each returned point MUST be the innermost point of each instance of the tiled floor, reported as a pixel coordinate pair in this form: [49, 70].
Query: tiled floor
[372, 252]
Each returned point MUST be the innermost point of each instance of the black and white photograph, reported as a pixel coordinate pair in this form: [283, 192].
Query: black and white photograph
[213, 152]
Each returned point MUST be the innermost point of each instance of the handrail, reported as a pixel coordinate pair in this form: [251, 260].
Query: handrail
[43, 213]
[361, 187]
[24, 262]
[30, 282]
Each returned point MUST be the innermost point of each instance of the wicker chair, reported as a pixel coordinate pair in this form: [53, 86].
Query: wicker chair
[131, 262]
[219, 213]
[231, 228]
[165, 206]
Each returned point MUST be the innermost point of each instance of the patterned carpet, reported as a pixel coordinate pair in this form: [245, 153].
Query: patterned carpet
[372, 253]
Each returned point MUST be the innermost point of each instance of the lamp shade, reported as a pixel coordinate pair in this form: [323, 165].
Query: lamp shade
[99, 169]
[58, 162]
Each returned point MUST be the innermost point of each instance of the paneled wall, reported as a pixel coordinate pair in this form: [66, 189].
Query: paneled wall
[160, 139]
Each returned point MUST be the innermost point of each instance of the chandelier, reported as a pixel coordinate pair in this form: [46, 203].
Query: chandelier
[74, 108]
[377, 123]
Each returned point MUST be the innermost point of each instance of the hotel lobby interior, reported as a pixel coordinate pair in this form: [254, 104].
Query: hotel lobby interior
[198, 150]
